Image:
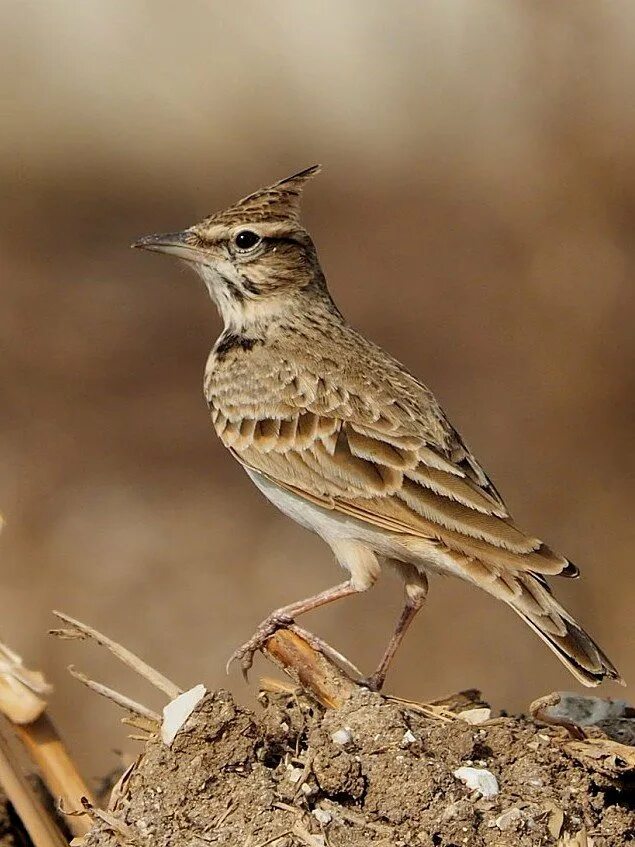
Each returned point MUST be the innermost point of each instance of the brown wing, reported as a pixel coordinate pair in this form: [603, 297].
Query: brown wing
[373, 468]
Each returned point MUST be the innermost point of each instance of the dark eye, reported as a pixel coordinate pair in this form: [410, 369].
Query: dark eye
[246, 239]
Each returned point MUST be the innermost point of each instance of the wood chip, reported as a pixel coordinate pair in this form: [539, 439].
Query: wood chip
[555, 820]
[604, 755]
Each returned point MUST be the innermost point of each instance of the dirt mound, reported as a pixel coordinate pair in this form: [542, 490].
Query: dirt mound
[373, 772]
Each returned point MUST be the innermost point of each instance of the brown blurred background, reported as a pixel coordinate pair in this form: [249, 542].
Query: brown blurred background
[475, 217]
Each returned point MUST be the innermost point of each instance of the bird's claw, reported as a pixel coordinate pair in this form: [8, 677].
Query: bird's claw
[246, 652]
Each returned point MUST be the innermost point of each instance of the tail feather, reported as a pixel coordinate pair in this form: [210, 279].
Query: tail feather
[528, 593]
[575, 648]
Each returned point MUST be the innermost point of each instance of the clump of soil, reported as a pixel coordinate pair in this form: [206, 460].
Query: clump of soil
[373, 772]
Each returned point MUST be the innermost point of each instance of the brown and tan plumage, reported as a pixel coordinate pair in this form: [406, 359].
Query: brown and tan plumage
[340, 436]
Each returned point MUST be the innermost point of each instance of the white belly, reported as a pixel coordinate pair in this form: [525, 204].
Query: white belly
[331, 526]
[341, 532]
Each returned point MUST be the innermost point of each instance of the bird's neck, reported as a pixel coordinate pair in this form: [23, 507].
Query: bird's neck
[264, 318]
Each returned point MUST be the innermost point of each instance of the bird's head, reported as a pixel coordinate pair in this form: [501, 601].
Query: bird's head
[254, 256]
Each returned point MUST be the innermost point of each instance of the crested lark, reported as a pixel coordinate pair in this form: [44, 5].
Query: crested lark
[340, 437]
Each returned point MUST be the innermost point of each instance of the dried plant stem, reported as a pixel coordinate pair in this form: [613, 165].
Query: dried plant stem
[311, 670]
[58, 770]
[42, 829]
[124, 655]
[115, 696]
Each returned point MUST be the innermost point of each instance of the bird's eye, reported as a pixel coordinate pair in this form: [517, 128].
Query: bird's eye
[246, 239]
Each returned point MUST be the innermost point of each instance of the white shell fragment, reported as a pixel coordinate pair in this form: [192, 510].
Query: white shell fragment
[475, 716]
[177, 711]
[408, 737]
[478, 779]
[342, 737]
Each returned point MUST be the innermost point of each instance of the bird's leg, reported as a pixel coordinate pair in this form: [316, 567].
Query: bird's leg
[285, 617]
[416, 586]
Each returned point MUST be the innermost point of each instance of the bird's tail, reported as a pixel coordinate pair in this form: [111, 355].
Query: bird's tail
[571, 644]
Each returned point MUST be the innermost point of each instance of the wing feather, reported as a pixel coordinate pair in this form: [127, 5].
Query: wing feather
[373, 462]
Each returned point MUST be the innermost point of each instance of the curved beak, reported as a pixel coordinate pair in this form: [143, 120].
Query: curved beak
[174, 243]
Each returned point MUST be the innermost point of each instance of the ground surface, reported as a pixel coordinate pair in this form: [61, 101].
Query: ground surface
[374, 772]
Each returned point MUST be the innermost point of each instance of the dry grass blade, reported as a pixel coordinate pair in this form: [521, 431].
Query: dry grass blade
[22, 690]
[305, 837]
[124, 655]
[42, 829]
[428, 709]
[22, 701]
[269, 685]
[56, 767]
[115, 696]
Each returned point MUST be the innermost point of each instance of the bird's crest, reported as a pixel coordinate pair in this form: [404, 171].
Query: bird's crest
[277, 202]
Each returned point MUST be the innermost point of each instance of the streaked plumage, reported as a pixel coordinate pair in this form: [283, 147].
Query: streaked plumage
[342, 438]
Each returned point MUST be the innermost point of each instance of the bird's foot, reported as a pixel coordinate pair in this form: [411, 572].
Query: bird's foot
[278, 620]
[245, 653]
[374, 682]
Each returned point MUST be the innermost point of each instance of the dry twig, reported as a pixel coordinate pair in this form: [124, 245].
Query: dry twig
[311, 670]
[22, 701]
[82, 630]
[120, 699]
[41, 827]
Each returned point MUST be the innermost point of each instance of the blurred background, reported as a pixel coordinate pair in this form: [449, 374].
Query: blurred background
[475, 216]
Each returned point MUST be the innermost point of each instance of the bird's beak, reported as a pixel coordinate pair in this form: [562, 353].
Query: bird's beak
[180, 244]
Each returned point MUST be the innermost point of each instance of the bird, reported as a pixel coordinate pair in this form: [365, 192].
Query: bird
[343, 439]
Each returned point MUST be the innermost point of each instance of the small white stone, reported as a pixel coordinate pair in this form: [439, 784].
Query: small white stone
[507, 819]
[177, 711]
[322, 816]
[478, 779]
[294, 775]
[408, 737]
[342, 737]
[475, 716]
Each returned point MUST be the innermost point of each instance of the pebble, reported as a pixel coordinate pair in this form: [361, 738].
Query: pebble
[408, 737]
[322, 816]
[342, 737]
[294, 774]
[478, 779]
[507, 819]
[475, 716]
[585, 710]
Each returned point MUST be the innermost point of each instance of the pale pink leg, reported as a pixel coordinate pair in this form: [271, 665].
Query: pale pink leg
[416, 592]
[285, 616]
